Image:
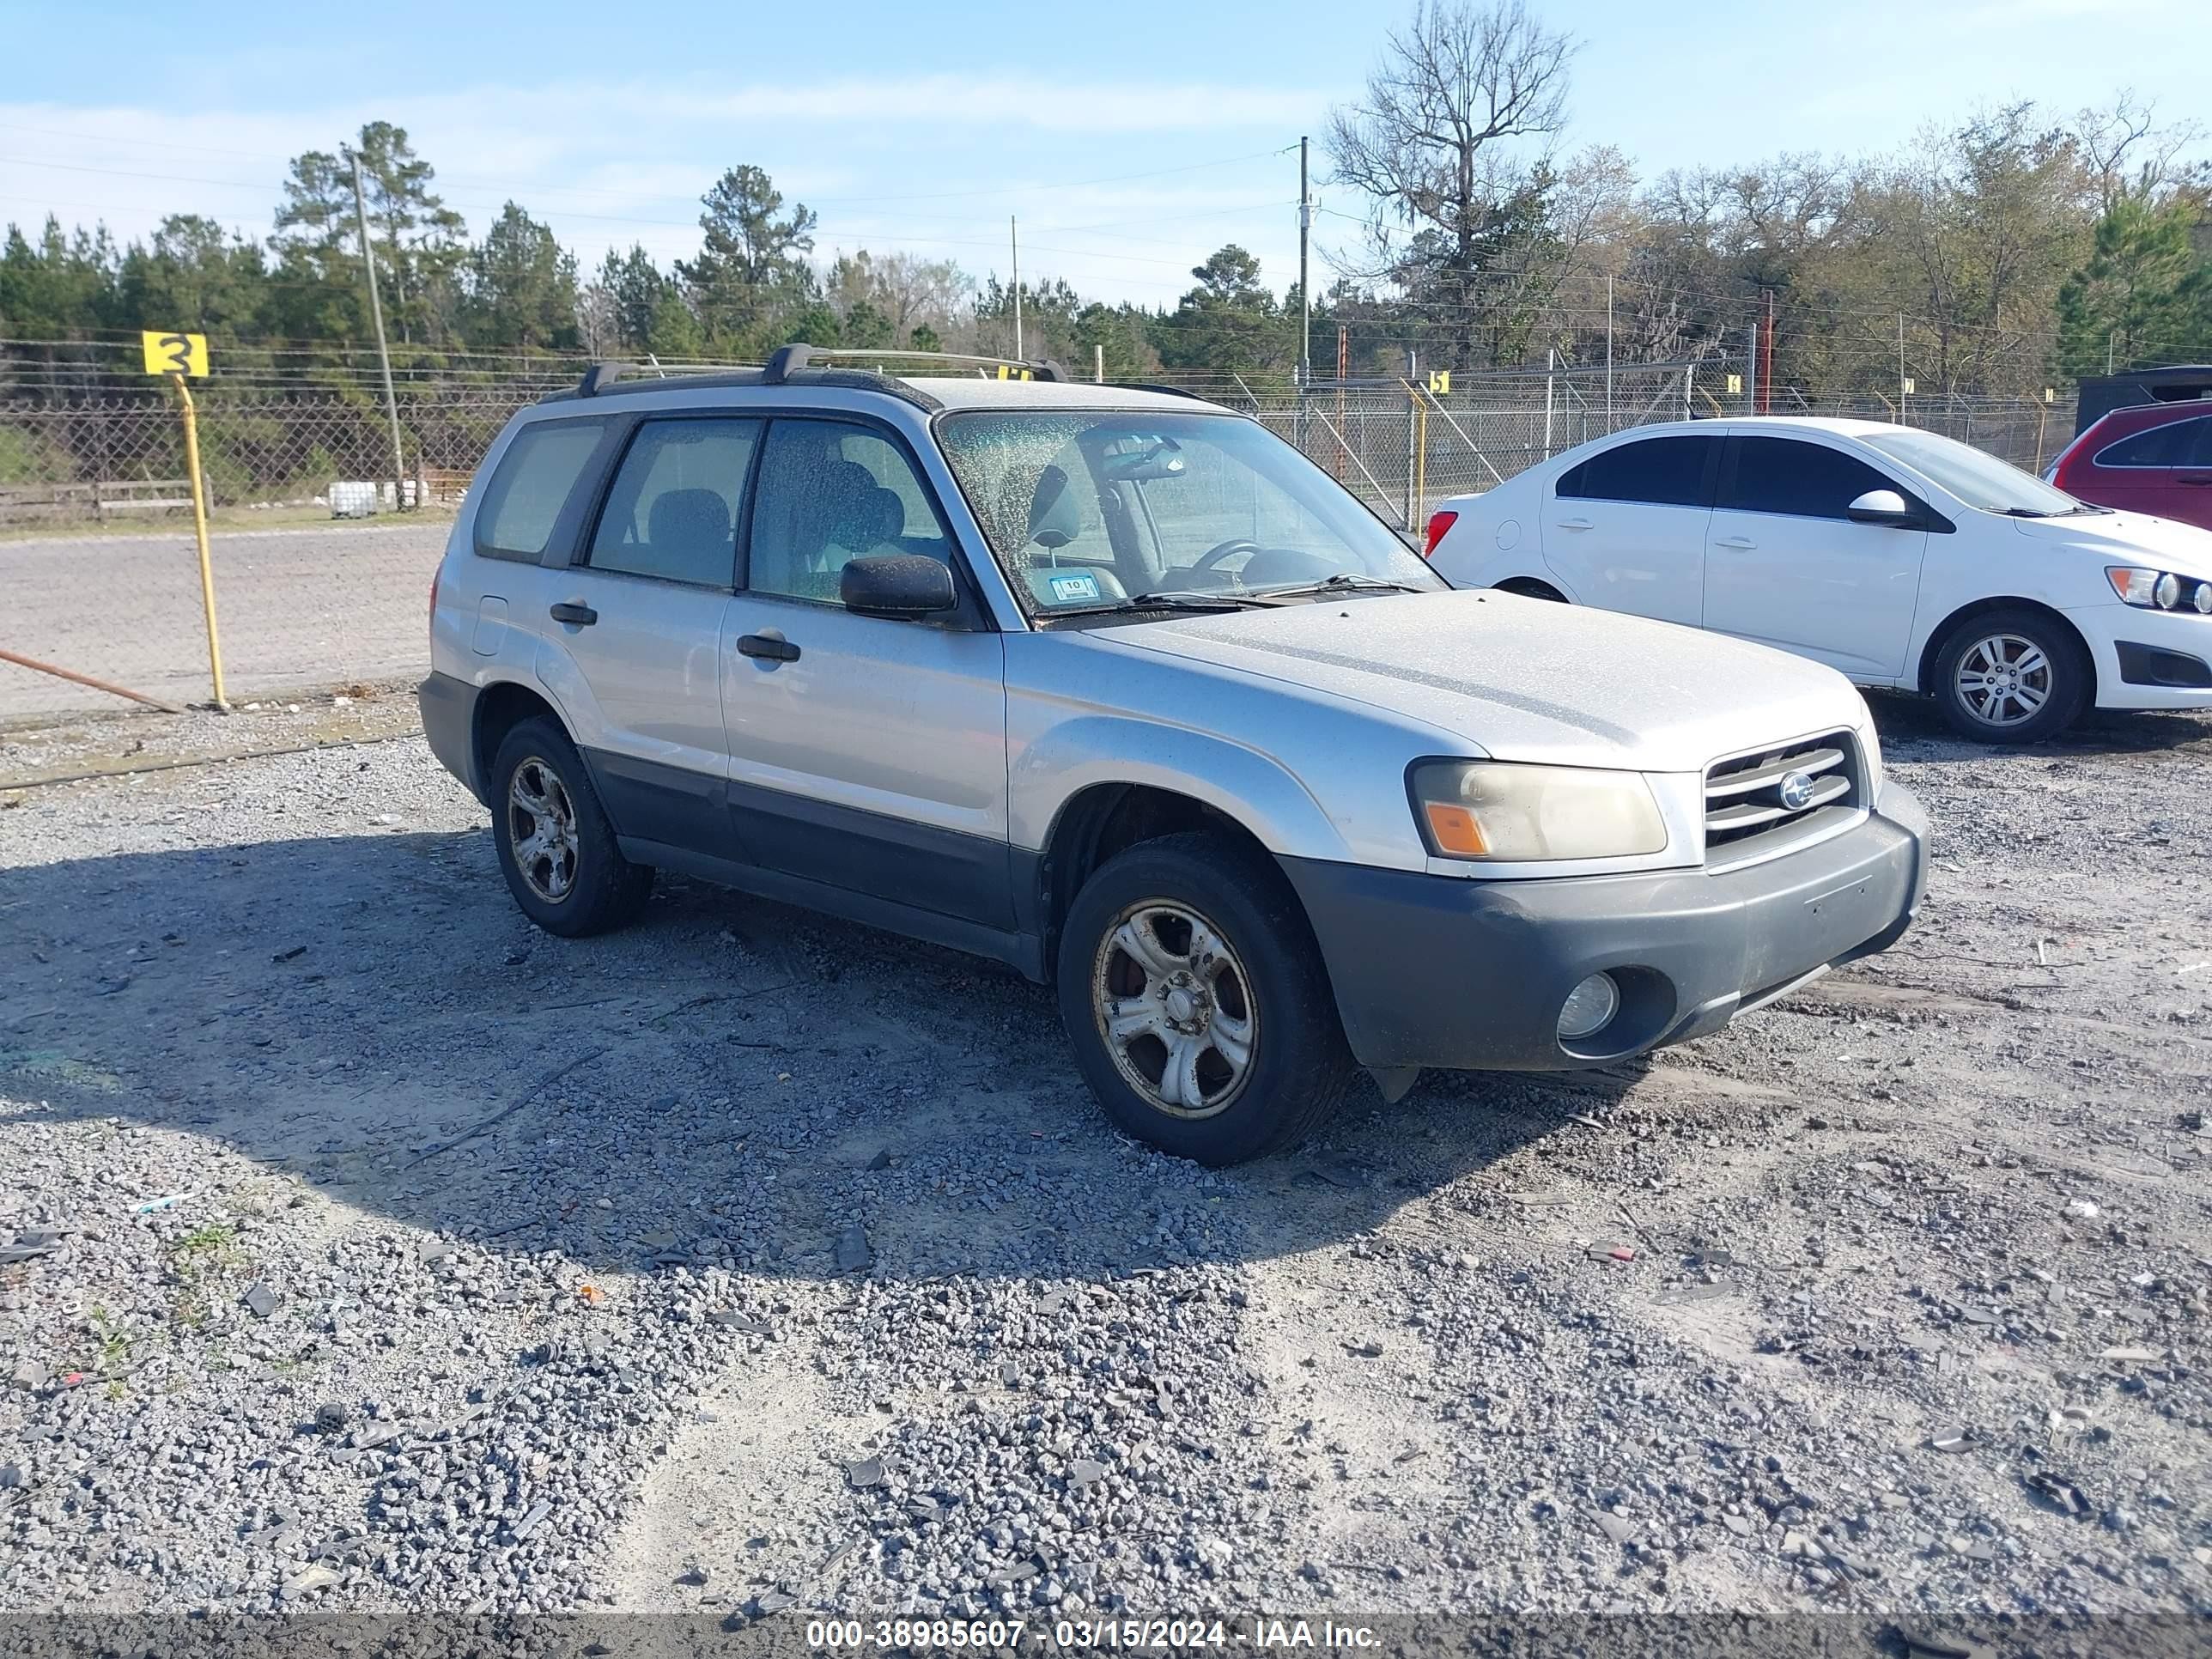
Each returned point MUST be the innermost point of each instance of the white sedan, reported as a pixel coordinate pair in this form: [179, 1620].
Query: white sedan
[1902, 558]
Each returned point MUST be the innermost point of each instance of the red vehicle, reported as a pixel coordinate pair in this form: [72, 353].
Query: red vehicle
[2154, 459]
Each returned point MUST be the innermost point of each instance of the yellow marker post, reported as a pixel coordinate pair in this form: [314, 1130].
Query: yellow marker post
[177, 356]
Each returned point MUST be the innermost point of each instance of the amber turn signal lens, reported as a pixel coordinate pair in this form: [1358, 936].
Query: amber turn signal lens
[1455, 829]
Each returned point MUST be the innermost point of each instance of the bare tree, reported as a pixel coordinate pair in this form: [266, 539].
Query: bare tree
[1435, 144]
[2127, 153]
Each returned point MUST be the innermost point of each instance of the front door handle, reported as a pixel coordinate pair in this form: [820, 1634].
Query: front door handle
[581, 614]
[1576, 524]
[2193, 477]
[772, 646]
[1740, 543]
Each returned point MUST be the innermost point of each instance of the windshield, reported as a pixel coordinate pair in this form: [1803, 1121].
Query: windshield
[1975, 478]
[1087, 509]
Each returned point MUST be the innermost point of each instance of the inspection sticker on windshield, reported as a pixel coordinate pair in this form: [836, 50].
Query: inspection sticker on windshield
[1067, 589]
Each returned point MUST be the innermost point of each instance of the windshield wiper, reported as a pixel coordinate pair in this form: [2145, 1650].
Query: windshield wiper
[1173, 601]
[2025, 512]
[1342, 582]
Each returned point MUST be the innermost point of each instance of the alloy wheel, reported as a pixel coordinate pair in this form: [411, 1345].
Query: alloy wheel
[2004, 680]
[1175, 1009]
[541, 827]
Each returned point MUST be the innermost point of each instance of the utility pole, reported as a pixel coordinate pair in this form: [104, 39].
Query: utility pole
[1767, 359]
[1413, 429]
[1608, 351]
[1900, 369]
[376, 315]
[1014, 241]
[2111, 344]
[1305, 293]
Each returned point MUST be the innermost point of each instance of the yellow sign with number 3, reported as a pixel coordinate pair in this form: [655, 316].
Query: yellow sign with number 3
[175, 354]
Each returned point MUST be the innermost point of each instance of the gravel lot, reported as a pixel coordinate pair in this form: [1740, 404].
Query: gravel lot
[294, 607]
[370, 1251]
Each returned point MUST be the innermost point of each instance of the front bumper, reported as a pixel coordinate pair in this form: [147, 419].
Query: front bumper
[2148, 659]
[1469, 976]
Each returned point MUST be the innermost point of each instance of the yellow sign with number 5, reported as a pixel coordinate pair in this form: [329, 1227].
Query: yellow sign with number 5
[175, 354]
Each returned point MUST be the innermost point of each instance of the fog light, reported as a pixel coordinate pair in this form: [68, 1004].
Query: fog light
[1589, 1007]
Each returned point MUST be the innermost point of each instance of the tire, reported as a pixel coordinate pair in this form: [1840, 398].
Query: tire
[581, 884]
[2007, 658]
[1529, 588]
[1266, 994]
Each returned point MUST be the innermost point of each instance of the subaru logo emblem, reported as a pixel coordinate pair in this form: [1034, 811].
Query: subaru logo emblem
[1797, 791]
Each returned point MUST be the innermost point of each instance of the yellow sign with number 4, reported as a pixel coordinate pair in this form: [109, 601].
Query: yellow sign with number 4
[175, 354]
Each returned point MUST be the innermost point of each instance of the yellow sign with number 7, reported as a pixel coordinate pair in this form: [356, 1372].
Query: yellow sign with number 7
[175, 354]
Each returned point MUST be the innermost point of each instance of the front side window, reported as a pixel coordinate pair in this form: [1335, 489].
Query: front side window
[1802, 480]
[1656, 471]
[1976, 477]
[1084, 508]
[673, 511]
[523, 502]
[831, 492]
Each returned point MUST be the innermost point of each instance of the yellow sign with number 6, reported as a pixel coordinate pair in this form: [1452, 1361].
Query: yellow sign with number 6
[175, 354]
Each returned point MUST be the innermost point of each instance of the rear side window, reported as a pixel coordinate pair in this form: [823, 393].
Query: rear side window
[2177, 443]
[523, 502]
[1802, 480]
[1658, 472]
[674, 508]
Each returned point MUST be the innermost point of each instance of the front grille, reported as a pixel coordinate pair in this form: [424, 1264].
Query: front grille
[1746, 813]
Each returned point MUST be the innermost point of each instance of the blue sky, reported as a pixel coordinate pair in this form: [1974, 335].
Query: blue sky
[1130, 139]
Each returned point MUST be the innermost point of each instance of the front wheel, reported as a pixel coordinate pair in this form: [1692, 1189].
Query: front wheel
[2012, 677]
[1194, 997]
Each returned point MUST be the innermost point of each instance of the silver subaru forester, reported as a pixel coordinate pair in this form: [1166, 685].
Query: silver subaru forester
[1117, 687]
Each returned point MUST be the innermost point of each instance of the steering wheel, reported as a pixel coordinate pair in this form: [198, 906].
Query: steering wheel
[1220, 551]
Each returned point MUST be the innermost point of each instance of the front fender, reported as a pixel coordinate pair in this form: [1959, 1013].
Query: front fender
[1059, 764]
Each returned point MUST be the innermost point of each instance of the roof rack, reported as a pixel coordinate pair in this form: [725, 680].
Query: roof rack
[785, 361]
[816, 362]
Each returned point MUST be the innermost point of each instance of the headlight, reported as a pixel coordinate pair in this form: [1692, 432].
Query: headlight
[1506, 814]
[2158, 589]
[1871, 754]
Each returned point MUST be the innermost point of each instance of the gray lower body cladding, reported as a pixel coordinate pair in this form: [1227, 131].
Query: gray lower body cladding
[1469, 976]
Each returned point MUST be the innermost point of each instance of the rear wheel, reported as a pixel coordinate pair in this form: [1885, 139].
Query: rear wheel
[1194, 997]
[2012, 677]
[1529, 588]
[556, 846]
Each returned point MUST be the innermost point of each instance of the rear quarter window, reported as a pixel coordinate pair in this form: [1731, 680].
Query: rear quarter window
[2175, 443]
[532, 483]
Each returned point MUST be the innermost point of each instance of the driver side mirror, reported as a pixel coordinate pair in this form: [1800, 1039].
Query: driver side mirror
[900, 584]
[1883, 507]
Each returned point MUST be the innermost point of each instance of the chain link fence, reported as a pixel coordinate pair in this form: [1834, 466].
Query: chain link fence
[1403, 448]
[96, 548]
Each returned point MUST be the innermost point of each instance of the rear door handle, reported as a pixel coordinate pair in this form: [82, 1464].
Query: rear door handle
[1740, 542]
[581, 614]
[2193, 477]
[774, 646]
[1576, 524]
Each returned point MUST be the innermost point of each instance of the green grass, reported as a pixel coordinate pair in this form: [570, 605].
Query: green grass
[221, 519]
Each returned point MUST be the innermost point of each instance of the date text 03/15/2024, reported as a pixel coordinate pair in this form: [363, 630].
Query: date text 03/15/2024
[1163, 1635]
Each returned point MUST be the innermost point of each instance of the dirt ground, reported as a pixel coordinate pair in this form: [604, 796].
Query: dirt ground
[771, 1263]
